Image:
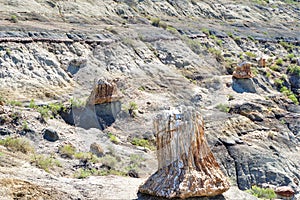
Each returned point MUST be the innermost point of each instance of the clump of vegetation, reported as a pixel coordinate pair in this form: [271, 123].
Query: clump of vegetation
[86, 156]
[25, 126]
[17, 144]
[14, 103]
[55, 108]
[294, 70]
[158, 23]
[14, 19]
[284, 90]
[132, 107]
[142, 143]
[279, 61]
[44, 112]
[205, 31]
[286, 45]
[32, 104]
[113, 138]
[135, 162]
[67, 150]
[77, 103]
[223, 107]
[265, 193]
[194, 45]
[217, 53]
[45, 162]
[250, 54]
[84, 173]
[275, 68]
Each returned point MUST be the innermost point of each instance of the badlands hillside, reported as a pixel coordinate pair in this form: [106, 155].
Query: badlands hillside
[58, 142]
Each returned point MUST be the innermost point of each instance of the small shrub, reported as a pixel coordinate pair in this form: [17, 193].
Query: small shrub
[290, 56]
[17, 144]
[14, 18]
[265, 193]
[45, 162]
[223, 107]
[172, 29]
[251, 38]
[67, 151]
[268, 74]
[131, 108]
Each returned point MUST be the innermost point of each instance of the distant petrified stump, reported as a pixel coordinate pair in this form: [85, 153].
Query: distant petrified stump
[186, 166]
[243, 71]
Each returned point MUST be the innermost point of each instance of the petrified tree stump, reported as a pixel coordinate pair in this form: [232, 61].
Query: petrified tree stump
[186, 166]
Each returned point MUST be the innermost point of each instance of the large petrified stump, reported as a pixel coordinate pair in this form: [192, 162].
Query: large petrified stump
[186, 166]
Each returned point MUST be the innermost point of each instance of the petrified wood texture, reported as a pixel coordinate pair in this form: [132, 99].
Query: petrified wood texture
[186, 166]
[105, 91]
[243, 71]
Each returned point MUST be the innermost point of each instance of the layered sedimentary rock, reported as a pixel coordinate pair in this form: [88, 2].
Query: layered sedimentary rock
[186, 166]
[242, 71]
[105, 91]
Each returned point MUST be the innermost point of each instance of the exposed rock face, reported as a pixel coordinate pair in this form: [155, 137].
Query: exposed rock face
[241, 85]
[104, 92]
[186, 166]
[243, 71]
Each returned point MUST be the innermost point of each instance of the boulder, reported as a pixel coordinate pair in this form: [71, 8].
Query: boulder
[243, 85]
[96, 149]
[186, 166]
[50, 135]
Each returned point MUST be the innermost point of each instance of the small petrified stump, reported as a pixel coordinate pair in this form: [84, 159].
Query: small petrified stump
[104, 91]
[284, 192]
[242, 71]
[186, 166]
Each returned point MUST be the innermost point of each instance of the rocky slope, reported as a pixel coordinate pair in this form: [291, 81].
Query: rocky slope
[161, 54]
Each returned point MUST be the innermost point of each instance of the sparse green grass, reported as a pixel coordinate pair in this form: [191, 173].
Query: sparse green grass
[286, 45]
[67, 150]
[25, 125]
[291, 56]
[109, 160]
[278, 82]
[193, 44]
[17, 144]
[45, 162]
[223, 107]
[14, 103]
[84, 173]
[55, 108]
[264, 193]
[171, 29]
[132, 106]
